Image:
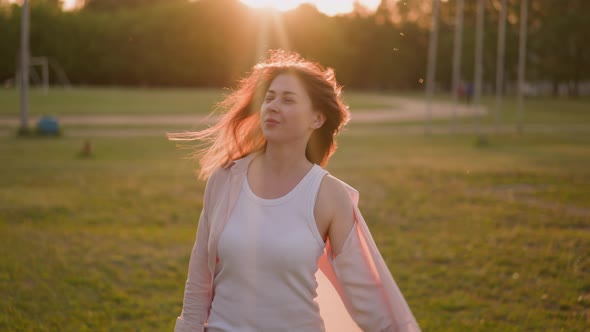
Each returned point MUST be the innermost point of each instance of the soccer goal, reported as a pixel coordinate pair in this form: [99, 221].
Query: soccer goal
[40, 68]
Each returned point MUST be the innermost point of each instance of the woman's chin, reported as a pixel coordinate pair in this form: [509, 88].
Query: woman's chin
[273, 139]
[271, 135]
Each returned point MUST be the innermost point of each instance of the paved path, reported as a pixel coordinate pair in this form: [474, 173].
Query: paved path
[407, 109]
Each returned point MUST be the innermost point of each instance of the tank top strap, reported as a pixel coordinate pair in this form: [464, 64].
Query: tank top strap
[312, 190]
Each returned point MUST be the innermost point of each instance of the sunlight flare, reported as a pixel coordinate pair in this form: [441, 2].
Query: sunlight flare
[272, 22]
[70, 4]
[328, 7]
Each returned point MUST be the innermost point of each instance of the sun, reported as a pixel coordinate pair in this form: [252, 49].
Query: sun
[328, 7]
[70, 4]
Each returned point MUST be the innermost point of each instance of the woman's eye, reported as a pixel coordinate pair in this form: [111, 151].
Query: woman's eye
[268, 98]
[289, 100]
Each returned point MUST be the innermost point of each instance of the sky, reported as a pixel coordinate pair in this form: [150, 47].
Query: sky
[329, 7]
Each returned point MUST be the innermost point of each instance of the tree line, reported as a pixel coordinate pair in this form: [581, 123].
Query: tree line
[211, 43]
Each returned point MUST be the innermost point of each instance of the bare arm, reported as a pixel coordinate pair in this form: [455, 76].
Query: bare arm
[334, 212]
[363, 280]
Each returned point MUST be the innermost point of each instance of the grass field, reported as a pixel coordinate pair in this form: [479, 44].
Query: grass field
[479, 238]
[141, 101]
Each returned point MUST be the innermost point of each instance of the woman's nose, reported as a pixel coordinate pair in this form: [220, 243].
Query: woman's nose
[272, 106]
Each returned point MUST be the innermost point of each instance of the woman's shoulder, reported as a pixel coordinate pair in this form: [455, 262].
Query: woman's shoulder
[335, 191]
[230, 167]
[216, 181]
[333, 185]
[221, 175]
[337, 188]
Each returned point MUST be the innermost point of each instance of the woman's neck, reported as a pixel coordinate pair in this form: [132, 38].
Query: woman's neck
[281, 160]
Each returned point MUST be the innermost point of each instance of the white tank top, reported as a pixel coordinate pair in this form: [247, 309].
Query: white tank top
[268, 254]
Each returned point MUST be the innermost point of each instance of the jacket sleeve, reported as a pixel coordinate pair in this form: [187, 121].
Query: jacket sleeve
[365, 285]
[198, 291]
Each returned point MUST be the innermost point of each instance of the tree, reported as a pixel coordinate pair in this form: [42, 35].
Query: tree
[110, 5]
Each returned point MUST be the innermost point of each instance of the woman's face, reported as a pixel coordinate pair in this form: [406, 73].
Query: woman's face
[287, 114]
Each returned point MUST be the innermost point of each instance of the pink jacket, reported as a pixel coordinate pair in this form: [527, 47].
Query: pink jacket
[355, 286]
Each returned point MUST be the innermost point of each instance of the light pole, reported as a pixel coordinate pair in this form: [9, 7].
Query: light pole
[478, 62]
[500, 64]
[521, 62]
[431, 64]
[457, 43]
[24, 68]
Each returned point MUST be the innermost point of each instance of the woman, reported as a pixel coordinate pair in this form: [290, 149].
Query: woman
[272, 216]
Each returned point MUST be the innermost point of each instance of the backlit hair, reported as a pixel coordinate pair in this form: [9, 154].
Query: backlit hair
[238, 132]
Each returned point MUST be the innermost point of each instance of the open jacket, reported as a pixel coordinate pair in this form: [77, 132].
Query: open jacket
[353, 287]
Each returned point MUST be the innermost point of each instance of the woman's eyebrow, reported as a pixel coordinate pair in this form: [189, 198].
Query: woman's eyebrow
[284, 92]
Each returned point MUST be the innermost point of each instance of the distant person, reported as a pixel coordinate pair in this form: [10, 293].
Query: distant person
[272, 215]
[469, 92]
[461, 91]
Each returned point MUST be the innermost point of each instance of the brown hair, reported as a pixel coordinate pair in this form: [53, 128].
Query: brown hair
[238, 132]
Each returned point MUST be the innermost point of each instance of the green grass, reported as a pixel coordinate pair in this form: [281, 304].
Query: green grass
[81, 101]
[536, 110]
[359, 101]
[481, 239]
[90, 101]
[541, 110]
[490, 238]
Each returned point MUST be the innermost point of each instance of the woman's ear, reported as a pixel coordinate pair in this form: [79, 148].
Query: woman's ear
[318, 119]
